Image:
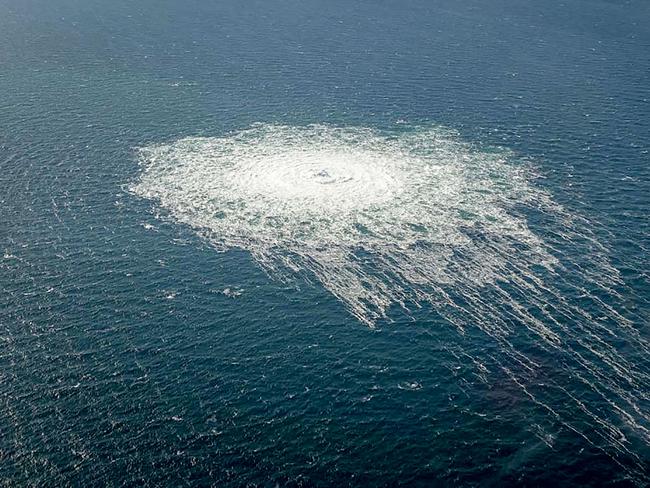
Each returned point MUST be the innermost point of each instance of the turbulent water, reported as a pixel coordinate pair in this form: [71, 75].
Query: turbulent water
[414, 216]
[378, 219]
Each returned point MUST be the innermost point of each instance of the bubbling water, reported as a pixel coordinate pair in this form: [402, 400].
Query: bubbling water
[319, 198]
[419, 216]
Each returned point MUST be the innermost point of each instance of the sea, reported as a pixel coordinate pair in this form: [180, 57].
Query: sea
[314, 243]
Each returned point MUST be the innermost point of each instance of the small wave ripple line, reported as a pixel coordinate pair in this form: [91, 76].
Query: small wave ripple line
[420, 216]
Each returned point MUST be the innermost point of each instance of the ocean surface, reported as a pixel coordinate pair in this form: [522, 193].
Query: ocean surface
[324, 243]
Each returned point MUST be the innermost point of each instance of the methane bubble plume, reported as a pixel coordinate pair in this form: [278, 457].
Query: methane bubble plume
[420, 217]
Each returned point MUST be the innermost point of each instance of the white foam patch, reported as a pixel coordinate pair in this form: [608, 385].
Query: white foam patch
[377, 219]
[412, 217]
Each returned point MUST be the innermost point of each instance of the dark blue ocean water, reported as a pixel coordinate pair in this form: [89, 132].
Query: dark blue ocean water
[123, 362]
